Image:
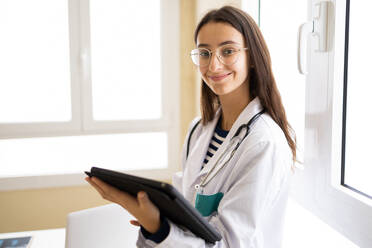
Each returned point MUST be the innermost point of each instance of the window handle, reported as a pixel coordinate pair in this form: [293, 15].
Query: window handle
[318, 29]
[303, 32]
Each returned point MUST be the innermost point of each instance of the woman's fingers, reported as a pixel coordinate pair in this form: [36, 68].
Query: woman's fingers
[103, 189]
[143, 200]
[134, 223]
[140, 207]
[113, 194]
[152, 220]
[145, 203]
[89, 180]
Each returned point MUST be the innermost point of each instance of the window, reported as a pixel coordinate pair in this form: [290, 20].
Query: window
[281, 42]
[357, 169]
[33, 51]
[314, 104]
[318, 188]
[123, 53]
[83, 87]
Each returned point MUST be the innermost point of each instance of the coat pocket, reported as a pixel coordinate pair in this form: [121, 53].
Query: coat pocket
[207, 204]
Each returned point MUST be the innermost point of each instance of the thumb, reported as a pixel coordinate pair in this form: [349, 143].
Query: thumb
[135, 223]
[143, 199]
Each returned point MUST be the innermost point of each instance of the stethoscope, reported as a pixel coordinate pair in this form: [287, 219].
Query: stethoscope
[235, 142]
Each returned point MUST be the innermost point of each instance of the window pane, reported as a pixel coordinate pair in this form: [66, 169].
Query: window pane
[34, 61]
[279, 25]
[58, 155]
[126, 62]
[358, 165]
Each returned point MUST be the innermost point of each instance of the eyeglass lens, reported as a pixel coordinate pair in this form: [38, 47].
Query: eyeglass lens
[227, 55]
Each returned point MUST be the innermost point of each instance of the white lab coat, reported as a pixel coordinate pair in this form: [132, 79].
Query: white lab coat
[255, 183]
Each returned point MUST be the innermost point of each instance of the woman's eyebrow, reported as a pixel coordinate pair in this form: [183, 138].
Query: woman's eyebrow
[228, 42]
[221, 44]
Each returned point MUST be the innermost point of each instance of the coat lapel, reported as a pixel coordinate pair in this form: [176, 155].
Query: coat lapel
[222, 154]
[193, 172]
[197, 153]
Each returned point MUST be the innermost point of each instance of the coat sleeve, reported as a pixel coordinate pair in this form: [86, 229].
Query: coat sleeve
[241, 214]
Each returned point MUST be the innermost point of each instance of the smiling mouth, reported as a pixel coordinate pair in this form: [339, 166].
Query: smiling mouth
[219, 77]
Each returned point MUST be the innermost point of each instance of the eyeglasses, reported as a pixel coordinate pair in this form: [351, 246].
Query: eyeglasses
[226, 54]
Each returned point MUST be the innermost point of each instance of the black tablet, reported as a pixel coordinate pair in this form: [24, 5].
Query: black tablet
[169, 201]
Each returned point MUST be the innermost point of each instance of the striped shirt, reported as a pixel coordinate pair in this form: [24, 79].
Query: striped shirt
[217, 139]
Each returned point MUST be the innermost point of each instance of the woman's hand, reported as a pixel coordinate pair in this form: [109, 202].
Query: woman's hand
[142, 208]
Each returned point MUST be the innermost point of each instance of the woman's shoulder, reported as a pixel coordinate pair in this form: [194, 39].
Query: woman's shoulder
[194, 127]
[267, 140]
[267, 131]
[195, 122]
[192, 132]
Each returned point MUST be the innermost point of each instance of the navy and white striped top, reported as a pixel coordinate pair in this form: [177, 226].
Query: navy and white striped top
[216, 141]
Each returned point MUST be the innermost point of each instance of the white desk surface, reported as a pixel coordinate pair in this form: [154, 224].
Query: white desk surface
[50, 238]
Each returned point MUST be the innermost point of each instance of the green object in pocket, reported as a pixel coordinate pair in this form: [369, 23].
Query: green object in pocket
[207, 204]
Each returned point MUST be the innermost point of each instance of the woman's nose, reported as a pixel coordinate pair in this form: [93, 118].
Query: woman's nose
[215, 63]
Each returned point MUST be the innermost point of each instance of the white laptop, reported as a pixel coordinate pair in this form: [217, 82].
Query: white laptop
[101, 227]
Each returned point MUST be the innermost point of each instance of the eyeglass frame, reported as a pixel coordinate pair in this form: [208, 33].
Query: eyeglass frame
[217, 55]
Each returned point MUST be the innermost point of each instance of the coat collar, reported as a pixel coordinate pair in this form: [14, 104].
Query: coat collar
[200, 148]
[249, 111]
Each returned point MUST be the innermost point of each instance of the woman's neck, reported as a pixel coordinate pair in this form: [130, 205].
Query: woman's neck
[232, 105]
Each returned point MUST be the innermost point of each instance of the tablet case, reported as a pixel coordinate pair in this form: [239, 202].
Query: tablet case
[169, 201]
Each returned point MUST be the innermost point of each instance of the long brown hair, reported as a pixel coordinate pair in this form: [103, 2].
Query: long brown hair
[261, 79]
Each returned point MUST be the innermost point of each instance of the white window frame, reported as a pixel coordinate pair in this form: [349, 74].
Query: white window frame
[318, 188]
[82, 122]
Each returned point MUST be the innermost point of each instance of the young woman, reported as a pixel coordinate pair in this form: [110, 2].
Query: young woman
[237, 160]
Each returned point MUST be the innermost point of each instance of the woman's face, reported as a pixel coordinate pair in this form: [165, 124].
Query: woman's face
[223, 79]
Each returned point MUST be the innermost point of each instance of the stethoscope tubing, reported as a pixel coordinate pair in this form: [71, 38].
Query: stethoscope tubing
[207, 178]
